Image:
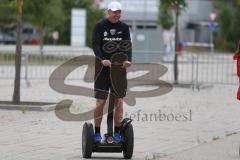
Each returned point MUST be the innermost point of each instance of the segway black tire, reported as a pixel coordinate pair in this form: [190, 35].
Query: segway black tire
[128, 144]
[239, 150]
[87, 140]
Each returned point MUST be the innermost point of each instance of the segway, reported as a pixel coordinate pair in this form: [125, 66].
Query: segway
[126, 129]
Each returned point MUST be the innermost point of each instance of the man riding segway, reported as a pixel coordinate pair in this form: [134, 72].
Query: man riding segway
[107, 33]
[112, 49]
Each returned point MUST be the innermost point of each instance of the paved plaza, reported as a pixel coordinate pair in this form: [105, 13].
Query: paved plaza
[168, 125]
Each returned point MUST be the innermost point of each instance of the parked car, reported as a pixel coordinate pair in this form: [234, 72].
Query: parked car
[7, 38]
[8, 35]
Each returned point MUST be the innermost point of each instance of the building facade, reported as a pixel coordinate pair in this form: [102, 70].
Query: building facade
[147, 34]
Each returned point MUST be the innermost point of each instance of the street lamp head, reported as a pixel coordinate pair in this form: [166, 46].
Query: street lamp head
[212, 16]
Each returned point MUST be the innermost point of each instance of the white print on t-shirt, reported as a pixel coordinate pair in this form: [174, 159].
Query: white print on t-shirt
[120, 32]
[105, 34]
[112, 31]
[112, 39]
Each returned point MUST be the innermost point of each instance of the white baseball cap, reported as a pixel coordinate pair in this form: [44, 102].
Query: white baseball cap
[114, 6]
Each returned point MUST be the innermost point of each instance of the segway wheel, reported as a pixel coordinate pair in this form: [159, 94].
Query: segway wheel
[128, 144]
[87, 140]
[239, 150]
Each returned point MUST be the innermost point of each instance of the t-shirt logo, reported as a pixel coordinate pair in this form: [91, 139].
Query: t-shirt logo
[105, 33]
[120, 32]
[112, 31]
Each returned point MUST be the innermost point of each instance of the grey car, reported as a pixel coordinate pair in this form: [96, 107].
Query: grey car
[6, 38]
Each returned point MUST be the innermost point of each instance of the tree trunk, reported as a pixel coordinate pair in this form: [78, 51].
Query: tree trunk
[18, 55]
[176, 48]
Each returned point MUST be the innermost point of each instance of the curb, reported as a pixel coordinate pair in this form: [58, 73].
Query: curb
[24, 107]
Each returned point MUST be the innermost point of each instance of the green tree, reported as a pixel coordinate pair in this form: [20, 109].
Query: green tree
[229, 22]
[50, 15]
[7, 12]
[16, 92]
[177, 6]
[45, 14]
[93, 16]
[165, 17]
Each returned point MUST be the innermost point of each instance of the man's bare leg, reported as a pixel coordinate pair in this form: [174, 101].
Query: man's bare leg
[118, 114]
[98, 113]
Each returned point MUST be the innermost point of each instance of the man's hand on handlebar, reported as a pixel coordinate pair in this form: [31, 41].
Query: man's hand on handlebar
[106, 63]
[126, 64]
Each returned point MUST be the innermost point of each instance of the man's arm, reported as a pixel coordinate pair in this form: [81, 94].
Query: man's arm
[96, 41]
[128, 37]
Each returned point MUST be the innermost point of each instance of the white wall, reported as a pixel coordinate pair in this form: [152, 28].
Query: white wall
[78, 27]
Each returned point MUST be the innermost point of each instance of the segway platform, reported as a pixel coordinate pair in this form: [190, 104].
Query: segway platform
[106, 145]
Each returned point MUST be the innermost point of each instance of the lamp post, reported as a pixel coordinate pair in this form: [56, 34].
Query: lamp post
[212, 26]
